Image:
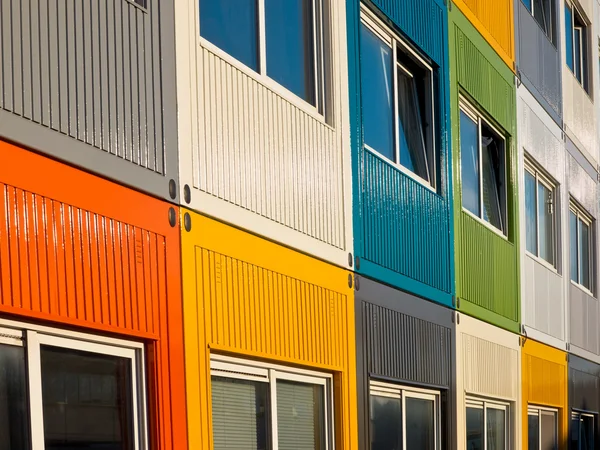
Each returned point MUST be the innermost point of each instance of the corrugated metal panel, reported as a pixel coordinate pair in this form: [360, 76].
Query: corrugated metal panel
[584, 315]
[251, 297]
[582, 187]
[77, 257]
[579, 114]
[405, 224]
[584, 384]
[539, 60]
[423, 21]
[261, 152]
[494, 20]
[403, 347]
[488, 368]
[91, 70]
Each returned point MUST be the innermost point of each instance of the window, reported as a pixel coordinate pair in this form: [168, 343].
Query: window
[403, 418]
[580, 239]
[397, 101]
[483, 169]
[582, 431]
[576, 45]
[75, 391]
[539, 214]
[256, 405]
[487, 427]
[542, 429]
[543, 12]
[285, 42]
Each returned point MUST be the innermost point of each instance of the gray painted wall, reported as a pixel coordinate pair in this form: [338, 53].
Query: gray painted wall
[92, 82]
[538, 60]
[403, 339]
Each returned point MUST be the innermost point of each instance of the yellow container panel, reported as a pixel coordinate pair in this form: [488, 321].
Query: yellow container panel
[248, 297]
[494, 19]
[544, 383]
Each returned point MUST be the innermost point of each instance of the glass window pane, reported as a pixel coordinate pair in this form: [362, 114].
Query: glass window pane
[413, 153]
[420, 424]
[549, 431]
[386, 423]
[377, 97]
[232, 25]
[575, 431]
[577, 53]
[530, 214]
[239, 414]
[87, 400]
[541, 15]
[492, 171]
[496, 429]
[546, 224]
[14, 409]
[584, 255]
[533, 432]
[574, 246]
[527, 4]
[475, 428]
[300, 416]
[290, 46]
[569, 37]
[469, 163]
[587, 433]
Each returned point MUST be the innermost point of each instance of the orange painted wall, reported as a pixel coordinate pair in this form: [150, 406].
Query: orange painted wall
[80, 251]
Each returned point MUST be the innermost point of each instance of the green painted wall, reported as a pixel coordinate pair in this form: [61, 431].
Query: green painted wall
[487, 265]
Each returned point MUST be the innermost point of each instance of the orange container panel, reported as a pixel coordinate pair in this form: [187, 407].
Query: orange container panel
[494, 19]
[544, 383]
[248, 297]
[82, 252]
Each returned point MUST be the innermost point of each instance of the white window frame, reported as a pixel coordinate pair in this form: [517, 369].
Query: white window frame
[397, 391]
[32, 337]
[577, 414]
[466, 107]
[321, 53]
[543, 179]
[535, 410]
[375, 25]
[477, 403]
[576, 14]
[583, 216]
[242, 369]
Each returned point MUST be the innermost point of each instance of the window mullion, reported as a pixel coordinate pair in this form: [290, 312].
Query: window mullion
[484, 426]
[262, 37]
[273, 401]
[36, 409]
[403, 420]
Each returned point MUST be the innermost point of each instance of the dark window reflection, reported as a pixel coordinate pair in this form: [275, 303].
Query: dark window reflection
[87, 400]
[475, 429]
[386, 423]
[420, 424]
[533, 432]
[14, 417]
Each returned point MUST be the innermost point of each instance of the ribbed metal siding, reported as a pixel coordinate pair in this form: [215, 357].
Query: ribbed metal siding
[423, 21]
[539, 59]
[403, 347]
[584, 316]
[545, 382]
[584, 384]
[579, 114]
[405, 224]
[87, 69]
[261, 152]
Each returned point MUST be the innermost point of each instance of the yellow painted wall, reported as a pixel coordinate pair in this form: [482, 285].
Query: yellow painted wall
[494, 19]
[248, 297]
[544, 383]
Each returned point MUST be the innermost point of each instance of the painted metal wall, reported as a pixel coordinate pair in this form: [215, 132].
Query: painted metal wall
[584, 385]
[544, 383]
[92, 83]
[579, 111]
[258, 159]
[543, 290]
[73, 256]
[406, 340]
[488, 366]
[539, 59]
[495, 21]
[403, 230]
[487, 265]
[252, 298]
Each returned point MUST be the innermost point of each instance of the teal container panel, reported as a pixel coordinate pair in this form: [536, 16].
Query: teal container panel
[487, 264]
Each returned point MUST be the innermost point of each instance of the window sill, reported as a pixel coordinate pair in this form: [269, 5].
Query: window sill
[542, 262]
[402, 169]
[265, 81]
[583, 289]
[486, 224]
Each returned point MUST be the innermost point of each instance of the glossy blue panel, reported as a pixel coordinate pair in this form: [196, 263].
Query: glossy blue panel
[403, 232]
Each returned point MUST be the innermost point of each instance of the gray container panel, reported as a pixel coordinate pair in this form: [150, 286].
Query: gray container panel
[539, 62]
[100, 73]
[584, 384]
